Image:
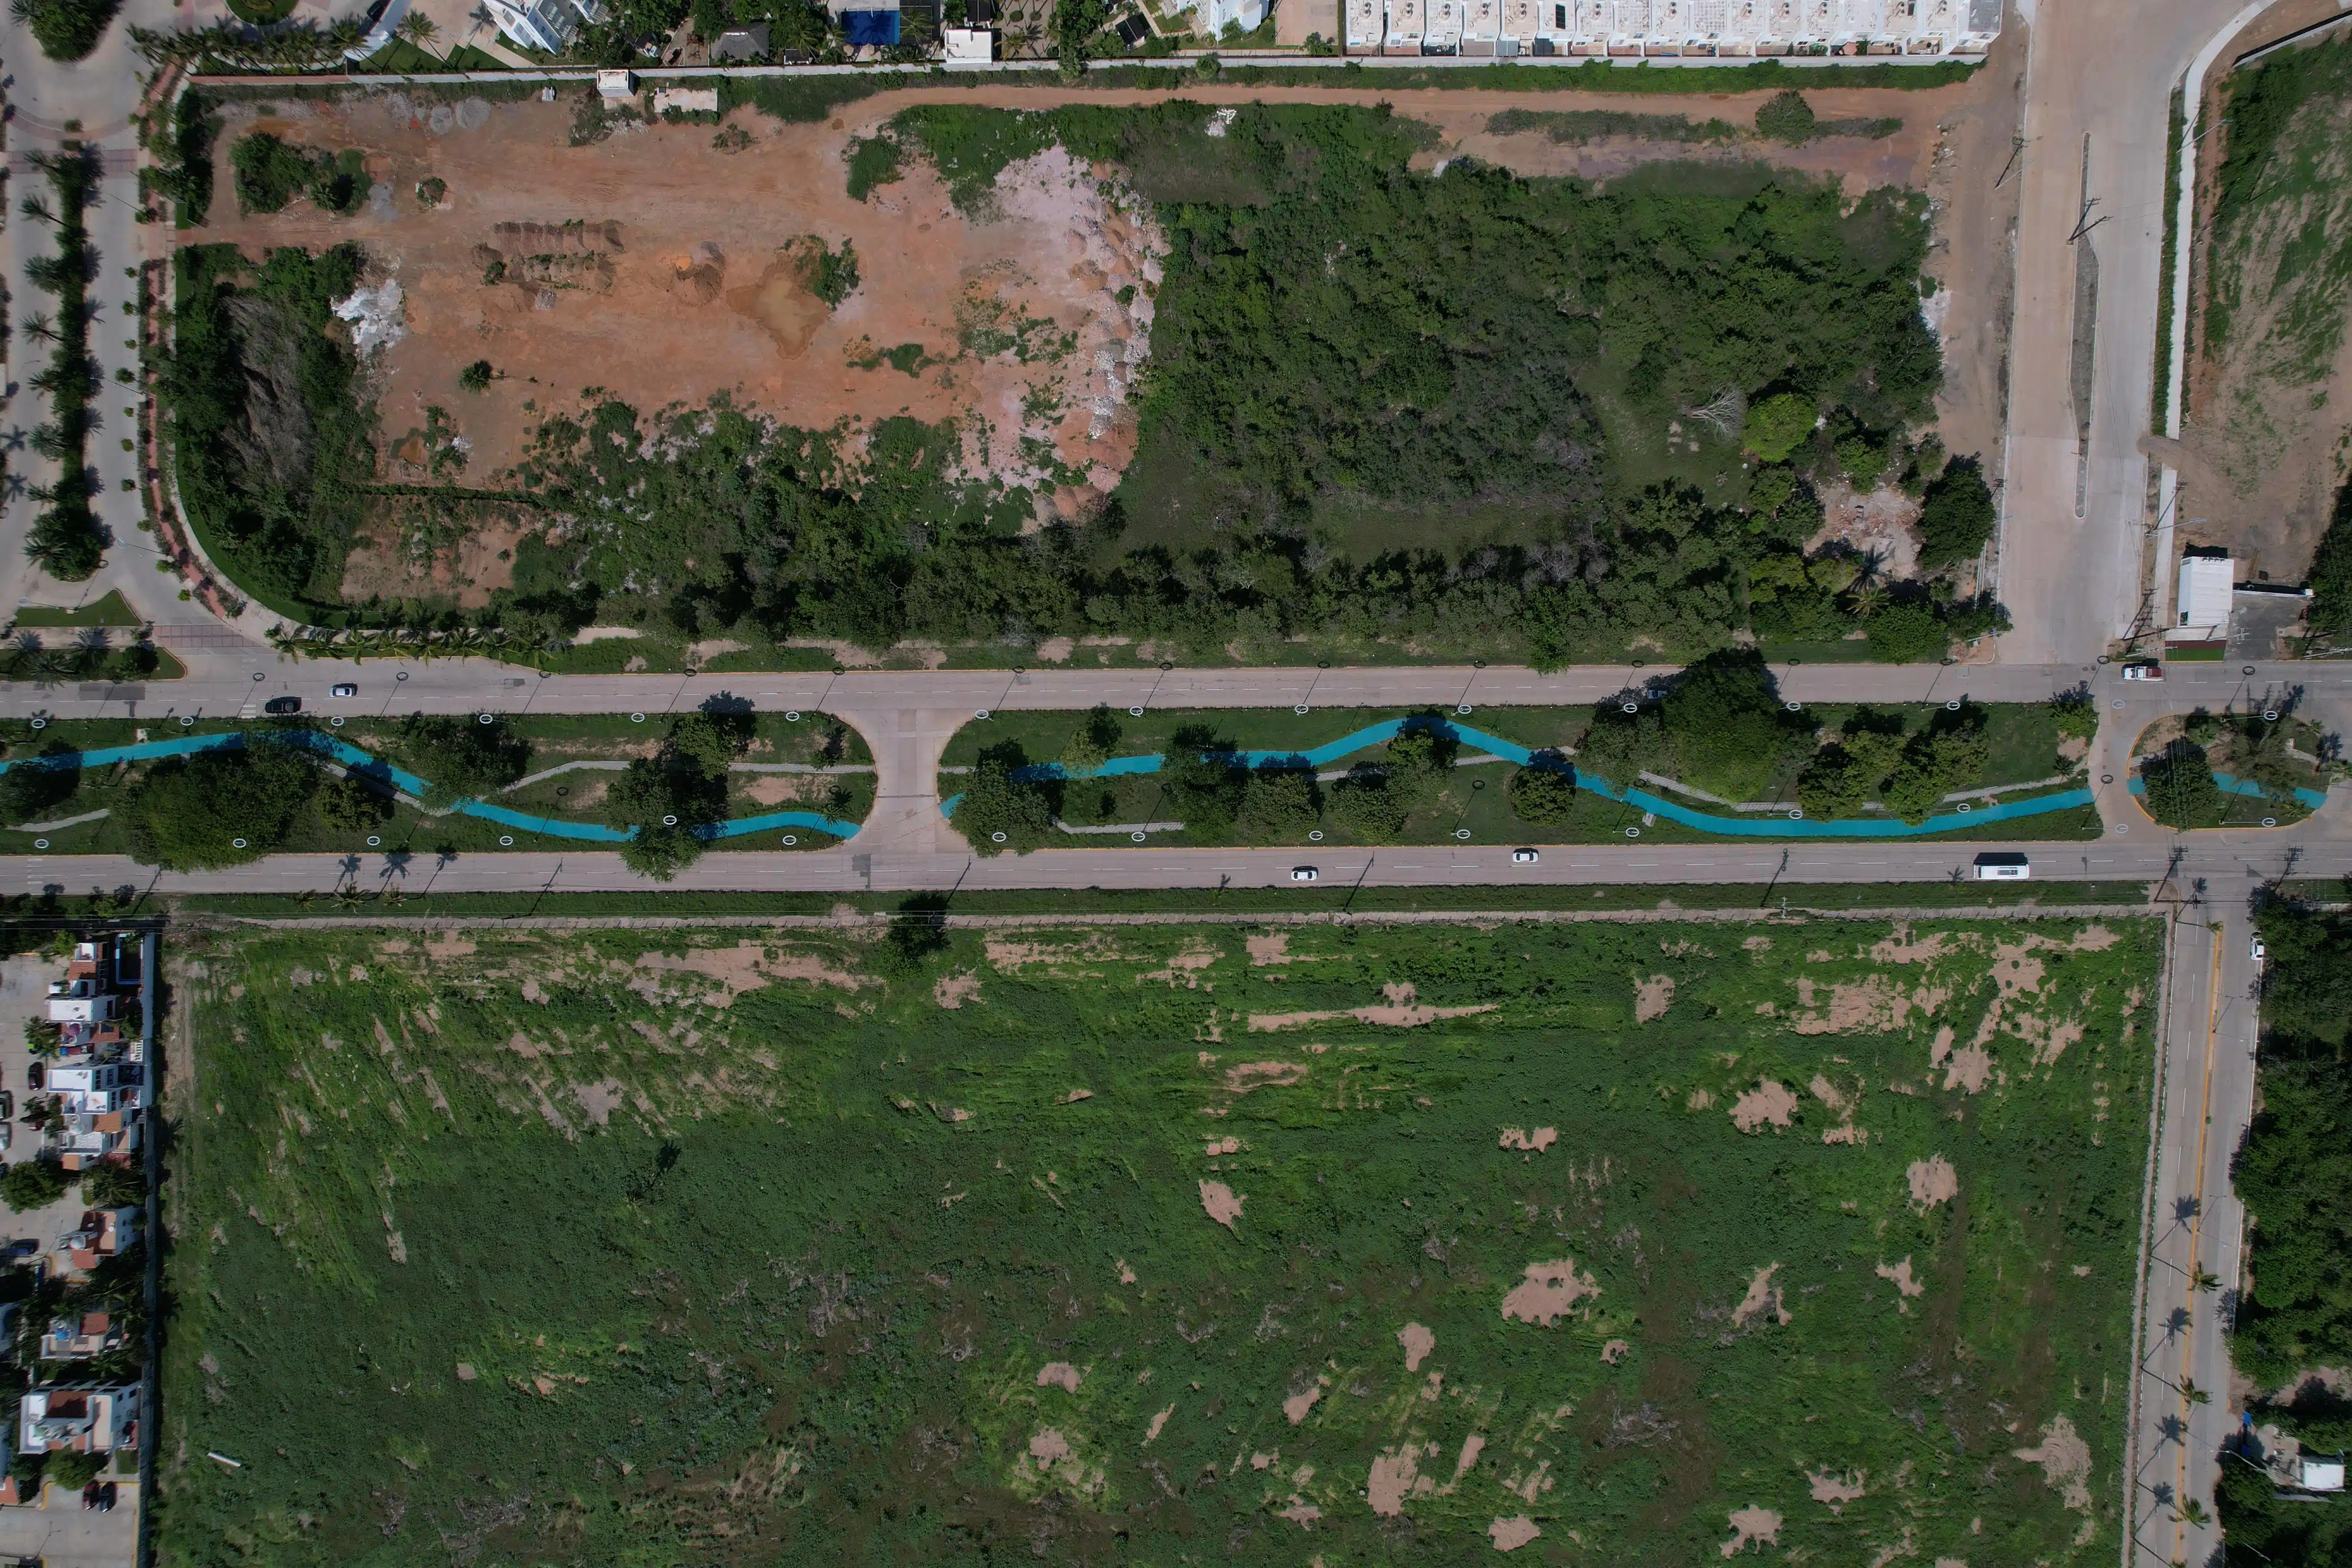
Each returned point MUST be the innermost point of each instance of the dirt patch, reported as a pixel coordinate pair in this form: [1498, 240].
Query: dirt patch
[1971, 1070]
[1218, 1201]
[1700, 1100]
[1534, 1143]
[1881, 526]
[1652, 997]
[560, 264]
[1769, 1103]
[1248, 1075]
[1418, 1342]
[1511, 1534]
[1547, 1293]
[1049, 1449]
[1159, 1424]
[1060, 958]
[1184, 968]
[745, 966]
[398, 559]
[1876, 1003]
[1751, 1526]
[1392, 1016]
[1299, 1511]
[1899, 1276]
[2048, 1040]
[599, 1099]
[785, 788]
[1615, 1352]
[1763, 1298]
[1932, 1181]
[1396, 1477]
[1295, 1408]
[1837, 1491]
[1274, 950]
[1059, 1375]
[2065, 1462]
[1901, 948]
[953, 990]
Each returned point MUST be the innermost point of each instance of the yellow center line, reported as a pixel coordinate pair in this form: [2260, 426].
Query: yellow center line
[2196, 1228]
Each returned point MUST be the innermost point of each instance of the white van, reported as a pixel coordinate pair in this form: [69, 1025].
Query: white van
[2003, 866]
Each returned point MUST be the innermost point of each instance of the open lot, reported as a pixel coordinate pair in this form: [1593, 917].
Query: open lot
[1639, 1242]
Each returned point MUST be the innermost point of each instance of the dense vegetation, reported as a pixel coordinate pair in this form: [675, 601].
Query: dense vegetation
[65, 539]
[270, 172]
[2180, 777]
[760, 1246]
[2274, 170]
[181, 149]
[270, 443]
[2330, 579]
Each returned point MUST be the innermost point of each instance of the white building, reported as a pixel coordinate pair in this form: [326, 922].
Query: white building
[971, 45]
[87, 1419]
[2201, 608]
[2321, 1475]
[547, 25]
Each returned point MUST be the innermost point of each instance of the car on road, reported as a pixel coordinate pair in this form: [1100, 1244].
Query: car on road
[2146, 670]
[282, 705]
[2255, 950]
[1525, 857]
[1302, 873]
[22, 1246]
[343, 689]
[2003, 865]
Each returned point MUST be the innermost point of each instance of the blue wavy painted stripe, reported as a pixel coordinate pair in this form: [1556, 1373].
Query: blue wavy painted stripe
[1750, 827]
[373, 766]
[2315, 799]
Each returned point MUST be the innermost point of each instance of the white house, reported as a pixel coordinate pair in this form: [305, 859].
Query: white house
[968, 45]
[2201, 608]
[86, 1418]
[547, 25]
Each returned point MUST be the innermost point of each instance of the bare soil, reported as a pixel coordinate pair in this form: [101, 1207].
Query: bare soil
[1548, 1291]
[1932, 1180]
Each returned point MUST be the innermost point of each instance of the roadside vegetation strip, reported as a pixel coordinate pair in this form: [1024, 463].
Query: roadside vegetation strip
[65, 539]
[979, 1159]
[1718, 734]
[2291, 1324]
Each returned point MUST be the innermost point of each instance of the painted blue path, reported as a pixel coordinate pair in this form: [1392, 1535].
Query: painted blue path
[1746, 826]
[371, 766]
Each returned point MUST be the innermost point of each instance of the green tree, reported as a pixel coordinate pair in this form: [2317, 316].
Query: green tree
[114, 1187]
[994, 802]
[1778, 425]
[1420, 758]
[1092, 742]
[32, 1184]
[2330, 614]
[1203, 778]
[1726, 723]
[218, 807]
[32, 787]
[461, 758]
[2298, 1155]
[2181, 790]
[1278, 804]
[1955, 519]
[1620, 746]
[476, 377]
[71, 1470]
[711, 738]
[1543, 794]
[664, 798]
[269, 171]
[2076, 715]
[1835, 783]
[349, 804]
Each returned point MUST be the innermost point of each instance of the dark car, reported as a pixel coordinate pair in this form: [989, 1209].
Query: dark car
[22, 1246]
[98, 1496]
[282, 705]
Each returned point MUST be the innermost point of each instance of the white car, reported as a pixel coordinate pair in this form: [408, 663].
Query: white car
[2148, 672]
[343, 689]
[2256, 951]
[1525, 857]
[1302, 873]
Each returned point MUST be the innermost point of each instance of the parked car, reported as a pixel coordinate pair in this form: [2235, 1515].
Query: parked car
[7, 1135]
[2146, 670]
[1302, 873]
[282, 705]
[98, 1496]
[8, 1104]
[2255, 950]
[22, 1246]
[343, 689]
[2003, 866]
[35, 1074]
[1525, 857]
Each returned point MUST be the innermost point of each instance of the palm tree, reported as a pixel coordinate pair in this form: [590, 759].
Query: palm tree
[418, 29]
[38, 209]
[38, 325]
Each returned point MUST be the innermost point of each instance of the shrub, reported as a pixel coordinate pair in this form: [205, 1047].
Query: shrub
[1777, 424]
[476, 377]
[461, 758]
[32, 1184]
[269, 173]
[72, 1471]
[31, 787]
[1203, 780]
[1906, 633]
[349, 804]
[1786, 117]
[873, 163]
[995, 802]
[1862, 457]
[1726, 724]
[28, 1467]
[1279, 803]
[1544, 791]
[66, 29]
[1091, 744]
[2331, 572]
[2181, 790]
[191, 815]
[1365, 805]
[1956, 520]
[429, 192]
[2076, 715]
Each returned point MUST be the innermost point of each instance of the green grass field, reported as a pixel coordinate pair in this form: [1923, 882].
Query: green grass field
[650, 1248]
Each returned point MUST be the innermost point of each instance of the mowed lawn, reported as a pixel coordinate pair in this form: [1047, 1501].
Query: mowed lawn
[1153, 1244]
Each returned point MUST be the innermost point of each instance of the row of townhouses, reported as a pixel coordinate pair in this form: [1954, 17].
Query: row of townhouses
[1672, 29]
[87, 1097]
